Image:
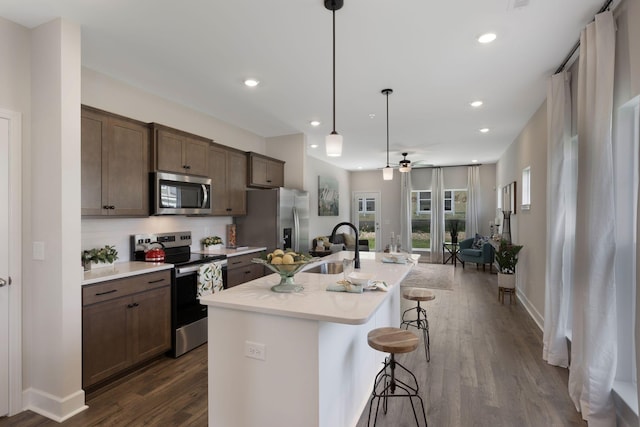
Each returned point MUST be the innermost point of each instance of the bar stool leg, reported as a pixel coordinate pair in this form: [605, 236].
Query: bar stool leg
[419, 323]
[391, 384]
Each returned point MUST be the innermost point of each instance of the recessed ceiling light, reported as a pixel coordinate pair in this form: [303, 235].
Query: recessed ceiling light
[359, 167]
[314, 123]
[487, 38]
[314, 146]
[476, 104]
[371, 116]
[251, 82]
[474, 161]
[484, 130]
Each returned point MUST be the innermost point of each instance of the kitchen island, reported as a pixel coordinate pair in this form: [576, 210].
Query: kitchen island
[297, 359]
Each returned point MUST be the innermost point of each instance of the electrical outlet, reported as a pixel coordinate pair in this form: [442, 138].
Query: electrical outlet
[38, 251]
[255, 350]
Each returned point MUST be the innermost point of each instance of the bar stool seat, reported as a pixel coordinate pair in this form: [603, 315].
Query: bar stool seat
[394, 341]
[421, 322]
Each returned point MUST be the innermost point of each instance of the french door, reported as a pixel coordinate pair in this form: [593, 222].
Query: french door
[366, 218]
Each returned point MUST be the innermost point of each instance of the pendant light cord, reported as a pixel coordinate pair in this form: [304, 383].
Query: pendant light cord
[387, 129]
[334, 70]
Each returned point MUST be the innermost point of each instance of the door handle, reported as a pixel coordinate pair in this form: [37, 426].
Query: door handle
[3, 282]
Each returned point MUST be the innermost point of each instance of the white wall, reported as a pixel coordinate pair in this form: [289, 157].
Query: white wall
[292, 150]
[322, 225]
[53, 342]
[528, 228]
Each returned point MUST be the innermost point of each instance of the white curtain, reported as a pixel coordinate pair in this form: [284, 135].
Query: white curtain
[473, 201]
[593, 346]
[437, 215]
[405, 212]
[558, 290]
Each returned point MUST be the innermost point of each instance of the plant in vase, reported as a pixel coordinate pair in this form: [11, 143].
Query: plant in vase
[212, 242]
[507, 258]
[454, 227]
[99, 257]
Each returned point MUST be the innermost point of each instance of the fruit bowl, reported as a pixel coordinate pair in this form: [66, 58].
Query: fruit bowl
[286, 272]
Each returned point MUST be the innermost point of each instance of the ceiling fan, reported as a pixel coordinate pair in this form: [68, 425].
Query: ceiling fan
[405, 165]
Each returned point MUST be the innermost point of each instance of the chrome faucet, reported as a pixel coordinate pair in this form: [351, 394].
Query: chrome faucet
[353, 227]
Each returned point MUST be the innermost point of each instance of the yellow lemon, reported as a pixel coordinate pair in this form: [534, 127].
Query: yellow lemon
[278, 252]
[276, 260]
[287, 259]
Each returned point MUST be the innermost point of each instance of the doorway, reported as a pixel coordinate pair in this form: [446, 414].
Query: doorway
[366, 218]
[10, 261]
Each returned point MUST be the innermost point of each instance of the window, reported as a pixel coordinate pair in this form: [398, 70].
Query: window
[526, 188]
[423, 202]
[366, 205]
[455, 208]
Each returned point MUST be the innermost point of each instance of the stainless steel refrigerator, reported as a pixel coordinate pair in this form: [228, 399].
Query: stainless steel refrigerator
[277, 218]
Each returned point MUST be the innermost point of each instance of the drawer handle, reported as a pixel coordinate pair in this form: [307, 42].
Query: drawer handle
[155, 281]
[236, 262]
[135, 304]
[268, 180]
[106, 292]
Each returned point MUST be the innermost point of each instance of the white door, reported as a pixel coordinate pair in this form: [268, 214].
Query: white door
[4, 266]
[366, 218]
[10, 263]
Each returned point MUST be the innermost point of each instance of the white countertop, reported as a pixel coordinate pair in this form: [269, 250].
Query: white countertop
[231, 252]
[121, 270]
[314, 301]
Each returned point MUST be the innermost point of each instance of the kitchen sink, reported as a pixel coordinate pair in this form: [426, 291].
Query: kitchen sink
[326, 268]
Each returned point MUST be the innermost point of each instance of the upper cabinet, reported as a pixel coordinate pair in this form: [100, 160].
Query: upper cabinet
[228, 173]
[265, 172]
[178, 151]
[115, 165]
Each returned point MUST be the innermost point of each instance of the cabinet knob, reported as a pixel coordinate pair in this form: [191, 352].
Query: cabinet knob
[229, 209]
[112, 207]
[105, 206]
[186, 166]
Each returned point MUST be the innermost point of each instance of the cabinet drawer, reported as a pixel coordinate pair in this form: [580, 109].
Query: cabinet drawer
[106, 291]
[242, 260]
[244, 274]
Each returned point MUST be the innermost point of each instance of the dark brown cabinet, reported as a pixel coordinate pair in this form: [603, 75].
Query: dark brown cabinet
[265, 172]
[228, 173]
[115, 165]
[181, 152]
[240, 269]
[124, 322]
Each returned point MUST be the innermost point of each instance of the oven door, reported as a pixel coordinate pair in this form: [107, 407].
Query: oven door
[188, 316]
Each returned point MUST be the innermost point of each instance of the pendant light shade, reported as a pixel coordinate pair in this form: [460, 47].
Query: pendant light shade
[333, 144]
[333, 141]
[387, 172]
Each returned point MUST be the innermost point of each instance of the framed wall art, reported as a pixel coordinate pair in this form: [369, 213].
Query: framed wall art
[509, 198]
[328, 196]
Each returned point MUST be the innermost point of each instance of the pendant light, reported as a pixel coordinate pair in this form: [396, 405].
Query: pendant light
[333, 141]
[387, 172]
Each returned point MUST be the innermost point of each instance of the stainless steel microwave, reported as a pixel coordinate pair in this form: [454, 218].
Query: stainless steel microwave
[177, 194]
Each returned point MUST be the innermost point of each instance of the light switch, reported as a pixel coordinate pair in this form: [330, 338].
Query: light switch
[38, 251]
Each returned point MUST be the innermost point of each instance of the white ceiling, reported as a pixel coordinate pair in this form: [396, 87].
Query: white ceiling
[198, 53]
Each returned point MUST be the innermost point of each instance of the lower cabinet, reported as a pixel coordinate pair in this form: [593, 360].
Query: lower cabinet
[124, 322]
[240, 269]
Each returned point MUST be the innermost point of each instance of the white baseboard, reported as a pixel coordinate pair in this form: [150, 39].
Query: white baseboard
[53, 407]
[535, 314]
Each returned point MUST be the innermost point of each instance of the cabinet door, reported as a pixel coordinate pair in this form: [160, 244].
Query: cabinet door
[127, 184]
[105, 340]
[258, 171]
[218, 175]
[275, 174]
[195, 155]
[169, 154]
[93, 132]
[237, 183]
[151, 328]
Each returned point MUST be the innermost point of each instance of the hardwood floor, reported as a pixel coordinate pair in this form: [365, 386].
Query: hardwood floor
[485, 370]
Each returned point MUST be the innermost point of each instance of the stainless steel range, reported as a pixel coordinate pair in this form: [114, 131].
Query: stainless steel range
[188, 316]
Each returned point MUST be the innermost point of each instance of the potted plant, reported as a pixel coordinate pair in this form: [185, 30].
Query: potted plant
[212, 242]
[99, 257]
[454, 226]
[507, 258]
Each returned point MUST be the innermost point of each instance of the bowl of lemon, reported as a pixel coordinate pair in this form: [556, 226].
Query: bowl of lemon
[286, 264]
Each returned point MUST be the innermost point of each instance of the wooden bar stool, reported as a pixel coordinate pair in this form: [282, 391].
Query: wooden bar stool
[418, 294]
[393, 341]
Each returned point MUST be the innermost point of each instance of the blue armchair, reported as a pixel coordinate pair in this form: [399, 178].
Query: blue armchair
[483, 255]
